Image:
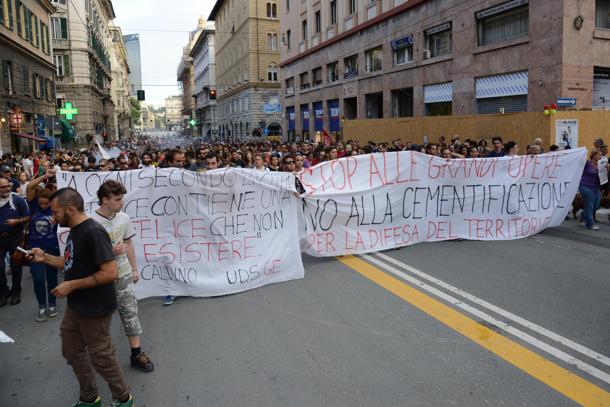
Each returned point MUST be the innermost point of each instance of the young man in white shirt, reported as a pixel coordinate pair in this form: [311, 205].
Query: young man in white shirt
[121, 231]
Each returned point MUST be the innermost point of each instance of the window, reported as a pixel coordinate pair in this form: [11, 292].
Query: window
[287, 6]
[272, 72]
[62, 64]
[602, 14]
[290, 86]
[374, 59]
[6, 13]
[26, 83]
[304, 29]
[7, 71]
[402, 50]
[305, 80]
[499, 23]
[351, 7]
[317, 76]
[60, 28]
[332, 72]
[318, 20]
[438, 40]
[271, 10]
[36, 85]
[288, 39]
[272, 41]
[333, 11]
[350, 66]
[402, 102]
[36, 28]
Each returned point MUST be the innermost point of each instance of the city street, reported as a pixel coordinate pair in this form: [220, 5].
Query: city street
[461, 323]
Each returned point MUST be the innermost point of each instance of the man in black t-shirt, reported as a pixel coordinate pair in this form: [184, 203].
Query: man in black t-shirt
[90, 271]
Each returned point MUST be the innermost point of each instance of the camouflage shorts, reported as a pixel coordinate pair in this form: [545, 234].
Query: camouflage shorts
[128, 305]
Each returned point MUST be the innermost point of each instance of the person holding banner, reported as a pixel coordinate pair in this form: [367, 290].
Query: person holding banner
[121, 231]
[589, 188]
[90, 271]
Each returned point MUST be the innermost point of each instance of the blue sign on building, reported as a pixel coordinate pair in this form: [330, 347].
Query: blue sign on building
[566, 102]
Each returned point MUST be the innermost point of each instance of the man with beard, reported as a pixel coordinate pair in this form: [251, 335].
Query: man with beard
[90, 271]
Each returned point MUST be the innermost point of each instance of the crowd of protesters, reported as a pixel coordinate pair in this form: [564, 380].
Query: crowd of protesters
[28, 189]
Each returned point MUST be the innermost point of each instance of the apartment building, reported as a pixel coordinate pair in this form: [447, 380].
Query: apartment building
[27, 95]
[173, 111]
[120, 85]
[364, 59]
[247, 68]
[204, 65]
[82, 46]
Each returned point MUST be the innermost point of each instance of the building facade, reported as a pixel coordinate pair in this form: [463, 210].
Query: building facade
[173, 112]
[82, 44]
[134, 60]
[394, 58]
[27, 94]
[120, 85]
[204, 65]
[247, 68]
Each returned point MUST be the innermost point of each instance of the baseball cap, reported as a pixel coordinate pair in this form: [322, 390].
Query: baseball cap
[4, 168]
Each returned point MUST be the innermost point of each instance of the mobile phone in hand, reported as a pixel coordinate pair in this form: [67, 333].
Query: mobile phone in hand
[22, 250]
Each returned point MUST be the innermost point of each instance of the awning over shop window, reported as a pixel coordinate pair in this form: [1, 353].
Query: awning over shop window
[511, 84]
[438, 93]
[30, 137]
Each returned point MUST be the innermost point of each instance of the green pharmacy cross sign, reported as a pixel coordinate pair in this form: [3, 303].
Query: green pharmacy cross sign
[68, 110]
[192, 122]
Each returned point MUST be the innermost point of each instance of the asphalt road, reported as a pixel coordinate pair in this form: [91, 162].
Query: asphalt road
[516, 323]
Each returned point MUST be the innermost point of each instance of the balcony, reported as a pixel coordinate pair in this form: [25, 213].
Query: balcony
[64, 80]
[315, 40]
[302, 46]
[350, 74]
[351, 21]
[61, 43]
[290, 90]
[373, 10]
[305, 86]
[331, 31]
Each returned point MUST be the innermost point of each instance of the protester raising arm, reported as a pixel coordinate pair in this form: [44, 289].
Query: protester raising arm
[31, 189]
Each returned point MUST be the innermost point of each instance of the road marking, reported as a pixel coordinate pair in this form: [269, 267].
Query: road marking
[509, 315]
[559, 354]
[558, 378]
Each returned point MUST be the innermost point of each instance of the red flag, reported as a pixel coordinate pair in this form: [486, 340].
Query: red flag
[327, 138]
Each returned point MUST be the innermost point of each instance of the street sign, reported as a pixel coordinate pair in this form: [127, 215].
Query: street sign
[566, 102]
[266, 131]
[68, 110]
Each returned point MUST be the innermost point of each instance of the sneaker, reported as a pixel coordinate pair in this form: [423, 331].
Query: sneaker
[96, 403]
[142, 362]
[42, 315]
[128, 403]
[52, 312]
[594, 227]
[169, 300]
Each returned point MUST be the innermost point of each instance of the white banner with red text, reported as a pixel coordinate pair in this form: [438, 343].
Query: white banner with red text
[381, 201]
[205, 234]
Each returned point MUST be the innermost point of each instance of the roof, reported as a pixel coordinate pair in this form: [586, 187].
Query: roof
[212, 16]
[204, 34]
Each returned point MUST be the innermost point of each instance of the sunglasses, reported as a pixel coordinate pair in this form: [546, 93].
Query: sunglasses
[289, 162]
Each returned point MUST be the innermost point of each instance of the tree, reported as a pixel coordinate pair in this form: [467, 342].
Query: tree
[136, 110]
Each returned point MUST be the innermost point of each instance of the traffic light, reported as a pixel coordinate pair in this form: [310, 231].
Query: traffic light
[213, 94]
[141, 95]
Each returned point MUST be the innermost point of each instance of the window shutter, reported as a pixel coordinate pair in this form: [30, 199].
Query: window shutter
[66, 58]
[64, 28]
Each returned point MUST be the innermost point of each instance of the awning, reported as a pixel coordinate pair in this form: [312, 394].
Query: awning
[438, 93]
[30, 137]
[510, 84]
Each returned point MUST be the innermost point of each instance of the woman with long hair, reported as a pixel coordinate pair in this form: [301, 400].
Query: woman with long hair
[589, 188]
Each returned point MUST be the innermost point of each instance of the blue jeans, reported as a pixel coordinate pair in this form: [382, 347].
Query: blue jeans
[45, 279]
[591, 197]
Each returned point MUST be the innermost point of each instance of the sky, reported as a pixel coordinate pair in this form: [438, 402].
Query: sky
[160, 50]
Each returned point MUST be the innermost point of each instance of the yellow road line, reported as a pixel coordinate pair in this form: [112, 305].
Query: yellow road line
[551, 374]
